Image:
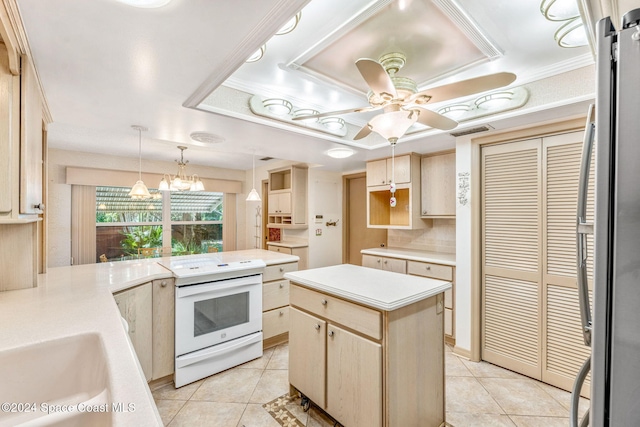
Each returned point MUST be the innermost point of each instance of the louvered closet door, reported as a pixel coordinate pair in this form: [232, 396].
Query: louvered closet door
[563, 346]
[511, 255]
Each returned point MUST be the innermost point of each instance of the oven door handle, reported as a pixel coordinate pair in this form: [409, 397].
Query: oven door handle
[201, 288]
[208, 353]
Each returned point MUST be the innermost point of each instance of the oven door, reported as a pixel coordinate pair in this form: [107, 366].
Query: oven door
[214, 312]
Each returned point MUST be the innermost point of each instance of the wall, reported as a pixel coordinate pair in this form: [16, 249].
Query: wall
[59, 198]
[438, 236]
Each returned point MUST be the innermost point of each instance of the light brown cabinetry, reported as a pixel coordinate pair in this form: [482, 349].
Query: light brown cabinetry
[441, 272]
[275, 303]
[301, 252]
[163, 328]
[135, 307]
[287, 198]
[406, 212]
[385, 171]
[438, 186]
[383, 263]
[364, 366]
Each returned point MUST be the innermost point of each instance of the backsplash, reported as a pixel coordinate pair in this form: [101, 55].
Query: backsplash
[439, 236]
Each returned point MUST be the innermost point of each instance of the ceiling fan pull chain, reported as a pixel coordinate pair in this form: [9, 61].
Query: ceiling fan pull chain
[392, 184]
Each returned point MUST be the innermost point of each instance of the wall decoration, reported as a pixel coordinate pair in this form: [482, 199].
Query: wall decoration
[463, 188]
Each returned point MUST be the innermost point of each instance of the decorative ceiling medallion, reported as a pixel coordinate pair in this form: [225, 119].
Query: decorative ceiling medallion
[206, 137]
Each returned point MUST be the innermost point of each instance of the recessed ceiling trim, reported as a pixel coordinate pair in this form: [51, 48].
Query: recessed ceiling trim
[367, 12]
[557, 68]
[270, 23]
[469, 28]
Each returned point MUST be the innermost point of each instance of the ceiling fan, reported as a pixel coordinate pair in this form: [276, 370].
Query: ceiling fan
[401, 102]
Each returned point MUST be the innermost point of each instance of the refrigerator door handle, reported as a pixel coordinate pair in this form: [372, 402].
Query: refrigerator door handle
[583, 228]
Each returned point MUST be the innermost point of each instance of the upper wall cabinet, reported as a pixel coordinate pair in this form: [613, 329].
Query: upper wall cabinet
[21, 142]
[438, 182]
[405, 213]
[287, 199]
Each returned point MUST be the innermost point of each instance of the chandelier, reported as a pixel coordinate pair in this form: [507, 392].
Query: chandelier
[181, 181]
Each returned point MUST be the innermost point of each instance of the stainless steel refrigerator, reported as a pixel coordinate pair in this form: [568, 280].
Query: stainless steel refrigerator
[614, 331]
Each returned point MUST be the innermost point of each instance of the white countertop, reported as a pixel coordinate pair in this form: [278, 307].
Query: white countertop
[288, 244]
[413, 255]
[371, 287]
[78, 299]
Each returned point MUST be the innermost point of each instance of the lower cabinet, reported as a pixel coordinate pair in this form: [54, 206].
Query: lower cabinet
[383, 263]
[136, 308]
[275, 303]
[367, 367]
[149, 311]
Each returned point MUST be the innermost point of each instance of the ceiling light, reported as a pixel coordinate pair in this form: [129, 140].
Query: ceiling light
[258, 54]
[572, 34]
[278, 106]
[454, 111]
[340, 152]
[291, 25]
[181, 181]
[394, 124]
[139, 190]
[253, 194]
[145, 3]
[307, 112]
[206, 137]
[333, 123]
[494, 100]
[559, 10]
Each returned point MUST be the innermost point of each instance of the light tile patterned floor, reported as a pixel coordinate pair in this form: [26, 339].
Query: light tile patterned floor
[477, 394]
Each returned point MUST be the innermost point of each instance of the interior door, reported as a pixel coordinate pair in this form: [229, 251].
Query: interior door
[357, 235]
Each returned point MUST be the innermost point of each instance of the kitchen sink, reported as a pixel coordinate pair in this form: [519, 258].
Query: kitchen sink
[63, 381]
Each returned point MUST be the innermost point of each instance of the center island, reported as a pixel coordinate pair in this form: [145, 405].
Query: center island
[367, 345]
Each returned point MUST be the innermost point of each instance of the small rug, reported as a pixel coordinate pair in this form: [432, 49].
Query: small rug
[277, 408]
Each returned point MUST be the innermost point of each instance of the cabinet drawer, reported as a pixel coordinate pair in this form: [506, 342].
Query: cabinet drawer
[275, 322]
[280, 249]
[275, 294]
[434, 271]
[362, 319]
[448, 322]
[276, 272]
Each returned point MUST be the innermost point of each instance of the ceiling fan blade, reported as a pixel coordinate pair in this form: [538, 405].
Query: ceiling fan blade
[466, 87]
[434, 120]
[376, 77]
[337, 113]
[366, 130]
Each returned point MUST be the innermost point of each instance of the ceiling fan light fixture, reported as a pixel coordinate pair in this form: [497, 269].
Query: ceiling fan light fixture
[572, 34]
[559, 10]
[290, 25]
[454, 111]
[394, 124]
[494, 100]
[278, 106]
[340, 152]
[306, 112]
[334, 123]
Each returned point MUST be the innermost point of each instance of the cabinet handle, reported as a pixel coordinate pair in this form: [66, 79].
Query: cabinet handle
[163, 283]
[323, 302]
[331, 333]
[282, 313]
[385, 261]
[428, 267]
[281, 285]
[39, 206]
[424, 212]
[383, 181]
[317, 327]
[281, 269]
[378, 261]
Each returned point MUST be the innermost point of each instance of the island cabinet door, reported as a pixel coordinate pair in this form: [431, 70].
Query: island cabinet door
[307, 347]
[354, 379]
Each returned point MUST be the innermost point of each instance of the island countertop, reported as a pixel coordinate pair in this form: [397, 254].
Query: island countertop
[383, 290]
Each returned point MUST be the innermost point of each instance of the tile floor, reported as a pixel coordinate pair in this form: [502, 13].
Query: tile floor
[477, 394]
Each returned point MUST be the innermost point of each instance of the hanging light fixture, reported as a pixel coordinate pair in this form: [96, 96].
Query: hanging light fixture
[253, 194]
[393, 124]
[181, 181]
[139, 190]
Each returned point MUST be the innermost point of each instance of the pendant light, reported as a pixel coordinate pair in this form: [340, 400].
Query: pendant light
[253, 194]
[139, 190]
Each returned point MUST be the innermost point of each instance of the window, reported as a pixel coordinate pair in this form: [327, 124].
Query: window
[179, 223]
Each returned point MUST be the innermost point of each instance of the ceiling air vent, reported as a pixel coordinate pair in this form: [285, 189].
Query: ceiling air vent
[483, 128]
